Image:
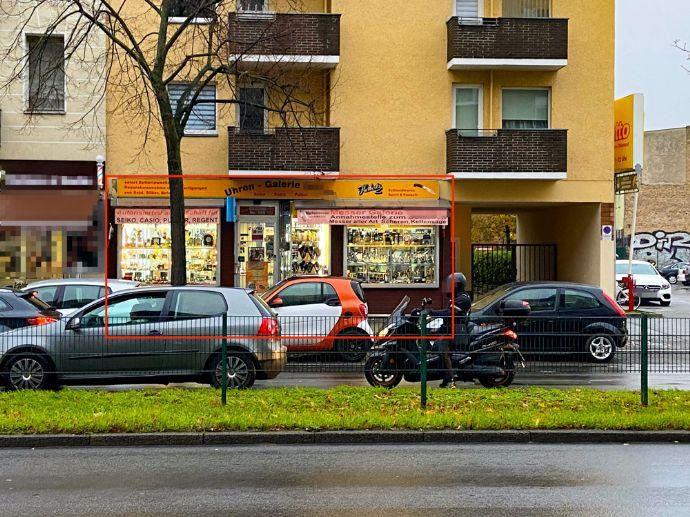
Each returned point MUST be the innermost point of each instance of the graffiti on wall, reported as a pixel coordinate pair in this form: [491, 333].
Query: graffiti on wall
[662, 246]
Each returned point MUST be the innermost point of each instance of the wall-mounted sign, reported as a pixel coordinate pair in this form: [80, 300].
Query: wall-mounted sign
[257, 210]
[626, 182]
[629, 133]
[162, 215]
[606, 232]
[327, 189]
[359, 217]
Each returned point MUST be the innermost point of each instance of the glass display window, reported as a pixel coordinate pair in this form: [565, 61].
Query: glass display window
[310, 249]
[145, 254]
[390, 256]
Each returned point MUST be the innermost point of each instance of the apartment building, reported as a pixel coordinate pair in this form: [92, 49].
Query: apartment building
[51, 143]
[512, 98]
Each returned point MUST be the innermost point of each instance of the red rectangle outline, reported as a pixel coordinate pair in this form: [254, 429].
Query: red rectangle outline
[437, 177]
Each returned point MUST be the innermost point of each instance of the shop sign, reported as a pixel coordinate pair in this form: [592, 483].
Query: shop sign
[626, 182]
[257, 210]
[429, 216]
[629, 132]
[162, 216]
[326, 189]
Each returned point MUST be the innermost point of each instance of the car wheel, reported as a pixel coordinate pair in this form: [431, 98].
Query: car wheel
[601, 348]
[665, 304]
[673, 279]
[28, 371]
[354, 349]
[378, 379]
[241, 372]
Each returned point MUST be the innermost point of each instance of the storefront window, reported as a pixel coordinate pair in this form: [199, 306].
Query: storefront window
[145, 254]
[310, 249]
[404, 255]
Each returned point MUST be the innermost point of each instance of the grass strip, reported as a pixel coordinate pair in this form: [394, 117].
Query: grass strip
[342, 408]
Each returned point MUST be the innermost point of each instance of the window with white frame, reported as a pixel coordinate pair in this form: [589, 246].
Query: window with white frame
[252, 5]
[199, 10]
[526, 8]
[46, 73]
[468, 109]
[525, 108]
[202, 119]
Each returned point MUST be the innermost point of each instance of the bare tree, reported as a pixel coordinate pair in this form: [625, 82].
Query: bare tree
[683, 47]
[150, 46]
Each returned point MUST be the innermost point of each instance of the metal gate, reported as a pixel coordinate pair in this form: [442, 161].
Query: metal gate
[497, 264]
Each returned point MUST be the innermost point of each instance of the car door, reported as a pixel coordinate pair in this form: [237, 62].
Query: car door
[309, 309]
[577, 309]
[133, 344]
[536, 333]
[192, 316]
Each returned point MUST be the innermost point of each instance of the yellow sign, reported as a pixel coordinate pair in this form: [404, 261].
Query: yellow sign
[629, 133]
[275, 188]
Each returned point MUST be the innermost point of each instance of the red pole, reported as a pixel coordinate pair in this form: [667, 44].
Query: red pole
[631, 292]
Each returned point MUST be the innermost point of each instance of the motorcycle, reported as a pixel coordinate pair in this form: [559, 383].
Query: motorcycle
[484, 353]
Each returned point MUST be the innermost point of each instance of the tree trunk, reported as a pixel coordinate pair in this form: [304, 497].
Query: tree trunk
[178, 272]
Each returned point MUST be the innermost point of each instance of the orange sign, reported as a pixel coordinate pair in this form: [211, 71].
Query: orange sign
[211, 188]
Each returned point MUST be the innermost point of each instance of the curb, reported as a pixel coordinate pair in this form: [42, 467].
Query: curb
[340, 437]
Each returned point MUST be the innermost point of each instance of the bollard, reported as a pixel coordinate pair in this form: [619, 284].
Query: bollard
[644, 360]
[224, 363]
[423, 354]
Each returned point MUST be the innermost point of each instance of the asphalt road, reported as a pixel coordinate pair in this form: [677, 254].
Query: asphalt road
[496, 479]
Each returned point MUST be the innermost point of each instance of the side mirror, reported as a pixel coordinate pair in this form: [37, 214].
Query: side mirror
[514, 308]
[74, 323]
[276, 302]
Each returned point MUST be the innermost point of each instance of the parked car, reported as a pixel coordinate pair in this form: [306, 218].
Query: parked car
[69, 294]
[674, 272]
[649, 284]
[566, 320]
[20, 309]
[157, 334]
[322, 312]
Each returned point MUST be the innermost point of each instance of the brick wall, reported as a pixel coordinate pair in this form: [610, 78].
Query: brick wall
[510, 150]
[513, 38]
[288, 34]
[607, 214]
[285, 149]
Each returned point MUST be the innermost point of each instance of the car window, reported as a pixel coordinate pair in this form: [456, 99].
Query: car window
[195, 304]
[539, 298]
[46, 293]
[306, 293]
[140, 308]
[637, 269]
[574, 299]
[76, 296]
[4, 306]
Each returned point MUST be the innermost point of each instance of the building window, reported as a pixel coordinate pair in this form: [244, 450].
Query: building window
[252, 112]
[468, 110]
[526, 8]
[46, 62]
[252, 5]
[525, 109]
[200, 10]
[202, 119]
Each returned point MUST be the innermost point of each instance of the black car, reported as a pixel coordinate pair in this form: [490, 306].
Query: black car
[567, 321]
[21, 309]
[670, 271]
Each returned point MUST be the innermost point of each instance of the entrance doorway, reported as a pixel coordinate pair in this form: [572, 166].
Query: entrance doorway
[256, 248]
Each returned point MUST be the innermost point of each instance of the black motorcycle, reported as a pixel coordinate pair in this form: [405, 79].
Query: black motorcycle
[487, 353]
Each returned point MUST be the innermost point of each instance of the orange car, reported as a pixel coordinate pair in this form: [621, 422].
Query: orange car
[321, 313]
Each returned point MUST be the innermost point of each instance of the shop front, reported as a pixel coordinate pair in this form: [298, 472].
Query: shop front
[392, 236]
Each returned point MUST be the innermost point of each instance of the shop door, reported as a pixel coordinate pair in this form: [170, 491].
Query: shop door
[257, 265]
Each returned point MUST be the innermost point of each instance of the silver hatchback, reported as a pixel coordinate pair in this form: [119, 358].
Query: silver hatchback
[149, 335]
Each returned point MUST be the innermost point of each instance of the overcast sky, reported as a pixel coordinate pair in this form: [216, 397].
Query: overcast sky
[646, 61]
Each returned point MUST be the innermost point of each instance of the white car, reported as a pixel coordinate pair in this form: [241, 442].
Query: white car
[68, 295]
[649, 284]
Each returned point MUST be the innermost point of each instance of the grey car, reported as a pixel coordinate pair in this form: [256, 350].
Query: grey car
[152, 335]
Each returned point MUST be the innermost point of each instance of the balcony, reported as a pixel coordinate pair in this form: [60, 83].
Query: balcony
[286, 39]
[539, 44]
[289, 150]
[535, 154]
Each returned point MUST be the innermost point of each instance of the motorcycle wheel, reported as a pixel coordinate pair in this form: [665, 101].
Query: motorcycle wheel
[378, 379]
[500, 381]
